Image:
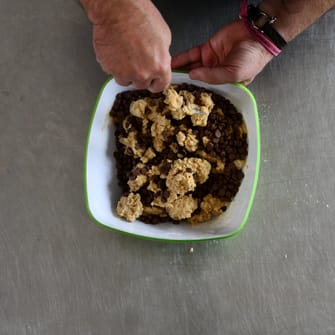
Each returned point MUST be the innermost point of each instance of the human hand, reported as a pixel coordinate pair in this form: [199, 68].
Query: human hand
[132, 44]
[231, 55]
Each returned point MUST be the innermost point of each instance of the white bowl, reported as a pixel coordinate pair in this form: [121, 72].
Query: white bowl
[102, 191]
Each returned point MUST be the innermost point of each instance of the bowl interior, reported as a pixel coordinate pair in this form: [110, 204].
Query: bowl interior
[102, 191]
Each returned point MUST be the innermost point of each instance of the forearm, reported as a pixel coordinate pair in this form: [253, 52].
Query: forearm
[99, 11]
[294, 16]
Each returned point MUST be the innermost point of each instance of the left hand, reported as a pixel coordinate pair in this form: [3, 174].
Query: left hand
[231, 55]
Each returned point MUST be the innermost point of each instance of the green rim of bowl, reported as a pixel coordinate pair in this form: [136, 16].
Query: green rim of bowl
[251, 200]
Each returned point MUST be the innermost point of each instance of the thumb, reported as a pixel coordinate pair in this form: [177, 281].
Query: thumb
[217, 75]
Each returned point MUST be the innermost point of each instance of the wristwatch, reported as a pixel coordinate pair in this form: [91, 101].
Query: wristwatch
[263, 23]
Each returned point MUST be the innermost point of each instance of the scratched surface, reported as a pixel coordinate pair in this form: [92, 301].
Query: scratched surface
[61, 274]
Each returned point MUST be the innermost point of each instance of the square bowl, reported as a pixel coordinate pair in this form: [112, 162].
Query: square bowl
[100, 182]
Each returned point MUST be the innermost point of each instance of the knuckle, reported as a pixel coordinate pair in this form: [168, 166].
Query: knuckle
[122, 81]
[162, 67]
[156, 89]
[237, 75]
[119, 74]
[158, 85]
[140, 85]
[141, 76]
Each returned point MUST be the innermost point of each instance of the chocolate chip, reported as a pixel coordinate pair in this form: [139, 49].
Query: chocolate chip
[165, 195]
[146, 196]
[137, 171]
[165, 134]
[209, 146]
[165, 168]
[222, 192]
[129, 152]
[132, 176]
[144, 170]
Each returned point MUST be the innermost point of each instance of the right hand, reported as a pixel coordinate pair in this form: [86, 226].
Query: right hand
[133, 45]
[231, 55]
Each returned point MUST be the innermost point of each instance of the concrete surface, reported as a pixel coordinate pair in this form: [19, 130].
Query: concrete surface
[61, 274]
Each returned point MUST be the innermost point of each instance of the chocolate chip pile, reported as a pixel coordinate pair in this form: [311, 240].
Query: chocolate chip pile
[179, 154]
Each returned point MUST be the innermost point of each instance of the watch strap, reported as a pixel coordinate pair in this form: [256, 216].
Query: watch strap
[255, 28]
[255, 15]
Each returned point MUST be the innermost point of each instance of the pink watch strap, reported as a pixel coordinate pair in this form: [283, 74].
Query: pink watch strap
[261, 38]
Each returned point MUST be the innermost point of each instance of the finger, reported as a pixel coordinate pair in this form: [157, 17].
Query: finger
[218, 75]
[142, 84]
[195, 65]
[160, 84]
[191, 66]
[247, 81]
[121, 81]
[187, 57]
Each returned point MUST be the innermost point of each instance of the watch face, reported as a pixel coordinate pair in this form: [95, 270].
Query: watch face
[261, 20]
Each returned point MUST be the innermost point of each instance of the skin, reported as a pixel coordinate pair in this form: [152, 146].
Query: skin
[132, 43]
[233, 54]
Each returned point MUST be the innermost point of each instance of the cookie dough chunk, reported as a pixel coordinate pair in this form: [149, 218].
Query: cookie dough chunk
[185, 173]
[126, 124]
[153, 187]
[137, 183]
[188, 140]
[219, 166]
[181, 182]
[145, 126]
[132, 143]
[154, 171]
[239, 164]
[149, 154]
[182, 208]
[205, 140]
[160, 129]
[201, 169]
[178, 106]
[181, 137]
[137, 108]
[173, 99]
[210, 206]
[130, 207]
[243, 129]
[207, 101]
[188, 96]
[154, 211]
[200, 118]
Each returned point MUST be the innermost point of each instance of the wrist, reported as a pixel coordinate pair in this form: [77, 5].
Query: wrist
[260, 25]
[293, 17]
[284, 23]
[113, 11]
[98, 11]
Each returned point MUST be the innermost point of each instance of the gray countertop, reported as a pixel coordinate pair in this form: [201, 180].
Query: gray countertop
[62, 274]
